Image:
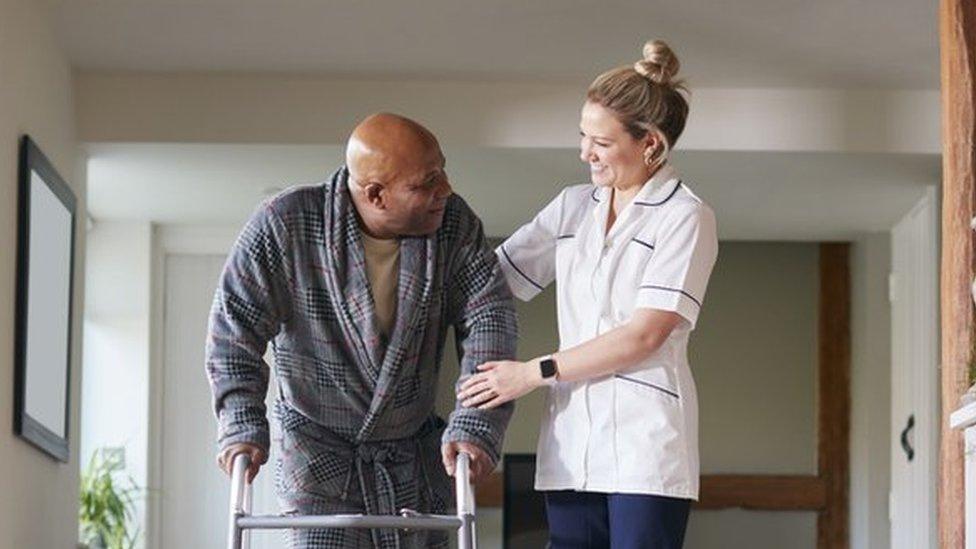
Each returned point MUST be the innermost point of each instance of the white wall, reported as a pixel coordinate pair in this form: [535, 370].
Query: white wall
[275, 108]
[116, 357]
[38, 496]
[870, 391]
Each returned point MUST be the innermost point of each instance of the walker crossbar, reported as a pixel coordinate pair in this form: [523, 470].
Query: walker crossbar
[242, 521]
[417, 522]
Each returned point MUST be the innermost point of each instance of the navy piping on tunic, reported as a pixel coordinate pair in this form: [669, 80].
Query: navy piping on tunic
[646, 384]
[565, 236]
[519, 271]
[642, 243]
[682, 292]
[593, 195]
[673, 191]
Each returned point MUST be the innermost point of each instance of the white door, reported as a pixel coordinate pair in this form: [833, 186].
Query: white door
[194, 499]
[914, 377]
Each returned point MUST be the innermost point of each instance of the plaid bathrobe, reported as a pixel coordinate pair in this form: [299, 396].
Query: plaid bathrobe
[356, 410]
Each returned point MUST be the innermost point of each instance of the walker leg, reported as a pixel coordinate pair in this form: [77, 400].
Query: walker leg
[464, 493]
[238, 489]
[248, 510]
[466, 534]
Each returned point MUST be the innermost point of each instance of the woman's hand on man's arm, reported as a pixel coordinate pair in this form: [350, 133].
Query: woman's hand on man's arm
[499, 382]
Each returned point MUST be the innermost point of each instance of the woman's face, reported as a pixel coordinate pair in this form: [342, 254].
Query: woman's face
[615, 157]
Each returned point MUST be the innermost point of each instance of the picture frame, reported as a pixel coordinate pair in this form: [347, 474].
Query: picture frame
[47, 210]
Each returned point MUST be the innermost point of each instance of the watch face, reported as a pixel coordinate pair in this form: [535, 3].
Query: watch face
[548, 367]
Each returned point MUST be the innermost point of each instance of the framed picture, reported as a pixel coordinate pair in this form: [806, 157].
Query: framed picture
[45, 267]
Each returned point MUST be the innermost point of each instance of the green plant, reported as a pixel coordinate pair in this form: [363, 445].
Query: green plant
[106, 505]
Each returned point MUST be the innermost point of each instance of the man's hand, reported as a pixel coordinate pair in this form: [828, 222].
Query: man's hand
[225, 459]
[481, 464]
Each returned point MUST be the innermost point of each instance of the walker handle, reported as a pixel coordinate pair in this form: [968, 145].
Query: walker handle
[239, 501]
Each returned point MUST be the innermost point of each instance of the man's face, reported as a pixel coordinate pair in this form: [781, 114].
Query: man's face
[416, 198]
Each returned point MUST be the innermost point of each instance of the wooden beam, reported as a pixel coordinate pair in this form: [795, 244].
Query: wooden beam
[491, 491]
[957, 22]
[763, 492]
[834, 397]
[756, 492]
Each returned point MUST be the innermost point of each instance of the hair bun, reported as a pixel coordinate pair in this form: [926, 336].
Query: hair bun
[660, 64]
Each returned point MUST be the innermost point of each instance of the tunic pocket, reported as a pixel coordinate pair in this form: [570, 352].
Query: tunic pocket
[649, 427]
[654, 375]
[650, 386]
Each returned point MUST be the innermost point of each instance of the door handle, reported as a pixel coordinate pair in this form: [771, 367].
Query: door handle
[905, 445]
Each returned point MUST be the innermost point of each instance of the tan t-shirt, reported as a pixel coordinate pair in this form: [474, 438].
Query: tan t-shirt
[383, 272]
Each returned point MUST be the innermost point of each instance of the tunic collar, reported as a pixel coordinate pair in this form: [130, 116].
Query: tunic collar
[656, 191]
[659, 188]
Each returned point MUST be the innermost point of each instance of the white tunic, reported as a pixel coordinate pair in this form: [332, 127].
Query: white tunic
[635, 431]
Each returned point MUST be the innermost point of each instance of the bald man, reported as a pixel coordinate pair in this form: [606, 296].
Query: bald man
[355, 282]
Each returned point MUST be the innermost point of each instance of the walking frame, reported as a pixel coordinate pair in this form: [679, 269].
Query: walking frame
[242, 521]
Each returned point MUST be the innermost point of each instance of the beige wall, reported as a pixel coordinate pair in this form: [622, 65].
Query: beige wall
[870, 391]
[38, 507]
[277, 108]
[754, 357]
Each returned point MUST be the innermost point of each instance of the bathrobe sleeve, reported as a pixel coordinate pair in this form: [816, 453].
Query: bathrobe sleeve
[251, 302]
[528, 257]
[483, 315]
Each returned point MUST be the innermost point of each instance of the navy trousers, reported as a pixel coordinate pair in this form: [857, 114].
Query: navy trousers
[589, 520]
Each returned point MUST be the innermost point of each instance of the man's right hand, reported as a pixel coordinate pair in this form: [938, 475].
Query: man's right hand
[225, 459]
[481, 464]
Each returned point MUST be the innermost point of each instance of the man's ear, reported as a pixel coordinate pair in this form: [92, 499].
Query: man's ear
[375, 195]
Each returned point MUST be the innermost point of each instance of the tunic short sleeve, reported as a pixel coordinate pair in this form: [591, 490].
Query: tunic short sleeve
[528, 257]
[685, 249]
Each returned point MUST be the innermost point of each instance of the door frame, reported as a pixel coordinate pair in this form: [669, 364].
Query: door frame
[914, 300]
[168, 240]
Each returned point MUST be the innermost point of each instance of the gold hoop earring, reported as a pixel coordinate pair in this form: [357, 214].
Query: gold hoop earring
[649, 159]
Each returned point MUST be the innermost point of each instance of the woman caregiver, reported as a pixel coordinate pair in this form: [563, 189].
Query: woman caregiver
[631, 255]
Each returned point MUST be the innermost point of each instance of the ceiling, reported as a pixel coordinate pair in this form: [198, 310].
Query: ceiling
[748, 43]
[756, 195]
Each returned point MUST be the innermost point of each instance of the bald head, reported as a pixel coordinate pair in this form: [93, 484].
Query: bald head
[396, 176]
[385, 145]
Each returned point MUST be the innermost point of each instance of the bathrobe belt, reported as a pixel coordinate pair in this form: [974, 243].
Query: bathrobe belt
[379, 497]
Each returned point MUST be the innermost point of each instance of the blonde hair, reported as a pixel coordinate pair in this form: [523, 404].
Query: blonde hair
[646, 97]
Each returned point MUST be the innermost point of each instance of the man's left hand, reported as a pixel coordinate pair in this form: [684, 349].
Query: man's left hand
[480, 466]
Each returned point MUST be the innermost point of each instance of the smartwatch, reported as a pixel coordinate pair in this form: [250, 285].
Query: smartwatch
[547, 367]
